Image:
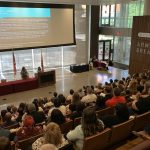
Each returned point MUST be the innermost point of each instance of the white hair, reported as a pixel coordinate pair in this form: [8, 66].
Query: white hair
[48, 147]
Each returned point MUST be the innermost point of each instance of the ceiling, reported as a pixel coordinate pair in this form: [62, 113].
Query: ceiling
[85, 2]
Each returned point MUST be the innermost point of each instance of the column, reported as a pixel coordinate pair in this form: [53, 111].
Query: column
[94, 30]
[146, 7]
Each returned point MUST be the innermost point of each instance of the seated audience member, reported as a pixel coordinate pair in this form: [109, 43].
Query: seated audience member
[40, 104]
[121, 85]
[23, 106]
[142, 103]
[121, 115]
[75, 101]
[128, 96]
[48, 104]
[4, 133]
[117, 98]
[38, 116]
[81, 93]
[90, 97]
[69, 97]
[14, 113]
[57, 105]
[20, 114]
[90, 125]
[48, 147]
[108, 92]
[24, 73]
[100, 103]
[3, 113]
[8, 121]
[133, 84]
[78, 111]
[57, 117]
[5, 143]
[28, 129]
[52, 135]
[54, 96]
[62, 99]
[99, 88]
[140, 86]
[9, 109]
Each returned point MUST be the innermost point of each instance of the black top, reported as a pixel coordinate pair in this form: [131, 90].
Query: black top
[143, 104]
[111, 120]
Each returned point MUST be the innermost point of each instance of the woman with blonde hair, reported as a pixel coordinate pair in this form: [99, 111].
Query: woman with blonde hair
[52, 135]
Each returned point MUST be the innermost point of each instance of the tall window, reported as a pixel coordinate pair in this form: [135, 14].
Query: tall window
[108, 15]
[121, 15]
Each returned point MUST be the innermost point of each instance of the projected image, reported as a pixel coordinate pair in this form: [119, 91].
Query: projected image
[15, 12]
[25, 27]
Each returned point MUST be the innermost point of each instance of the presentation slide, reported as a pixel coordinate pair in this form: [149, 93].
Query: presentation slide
[32, 27]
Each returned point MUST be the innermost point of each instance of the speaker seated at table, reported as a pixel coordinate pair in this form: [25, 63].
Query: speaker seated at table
[24, 73]
[46, 78]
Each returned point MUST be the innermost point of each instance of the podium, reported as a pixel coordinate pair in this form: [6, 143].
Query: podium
[46, 78]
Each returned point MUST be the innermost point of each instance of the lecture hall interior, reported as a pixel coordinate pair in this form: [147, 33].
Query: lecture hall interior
[85, 57]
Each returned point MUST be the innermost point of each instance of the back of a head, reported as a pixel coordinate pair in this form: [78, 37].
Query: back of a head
[8, 117]
[71, 91]
[22, 105]
[62, 98]
[55, 94]
[48, 147]
[28, 121]
[9, 108]
[57, 116]
[14, 109]
[75, 98]
[5, 144]
[111, 81]
[90, 124]
[117, 91]
[31, 107]
[3, 113]
[53, 134]
[89, 116]
[57, 102]
[89, 90]
[100, 101]
[108, 89]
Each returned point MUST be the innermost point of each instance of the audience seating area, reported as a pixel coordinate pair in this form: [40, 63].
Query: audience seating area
[104, 140]
[101, 141]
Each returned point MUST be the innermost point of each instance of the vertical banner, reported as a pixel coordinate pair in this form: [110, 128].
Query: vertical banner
[42, 65]
[14, 65]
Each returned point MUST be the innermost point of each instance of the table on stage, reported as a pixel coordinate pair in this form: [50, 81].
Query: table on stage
[42, 79]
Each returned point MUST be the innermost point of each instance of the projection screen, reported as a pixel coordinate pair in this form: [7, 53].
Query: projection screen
[30, 25]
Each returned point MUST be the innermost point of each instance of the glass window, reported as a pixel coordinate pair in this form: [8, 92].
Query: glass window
[121, 15]
[105, 14]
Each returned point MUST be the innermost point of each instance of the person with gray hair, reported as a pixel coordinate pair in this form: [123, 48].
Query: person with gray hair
[48, 147]
[38, 116]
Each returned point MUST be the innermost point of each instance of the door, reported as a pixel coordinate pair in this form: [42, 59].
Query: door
[104, 51]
